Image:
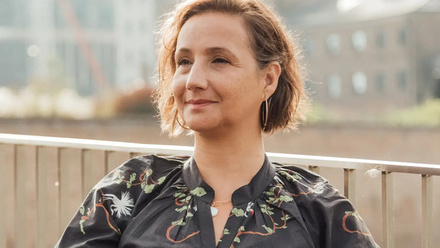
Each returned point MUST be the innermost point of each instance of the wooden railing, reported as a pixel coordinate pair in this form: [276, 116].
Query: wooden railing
[44, 179]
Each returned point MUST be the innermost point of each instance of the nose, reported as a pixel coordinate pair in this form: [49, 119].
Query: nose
[197, 77]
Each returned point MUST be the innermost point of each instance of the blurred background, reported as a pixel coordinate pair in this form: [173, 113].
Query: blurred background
[86, 69]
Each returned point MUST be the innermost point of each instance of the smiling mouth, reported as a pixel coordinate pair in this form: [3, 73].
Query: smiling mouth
[199, 102]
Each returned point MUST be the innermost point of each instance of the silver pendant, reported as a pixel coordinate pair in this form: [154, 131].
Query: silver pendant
[214, 211]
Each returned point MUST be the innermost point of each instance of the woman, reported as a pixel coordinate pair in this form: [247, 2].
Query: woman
[227, 72]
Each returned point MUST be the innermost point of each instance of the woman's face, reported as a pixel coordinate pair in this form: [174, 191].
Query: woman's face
[217, 84]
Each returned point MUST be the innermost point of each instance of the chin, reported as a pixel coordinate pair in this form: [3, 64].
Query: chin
[203, 127]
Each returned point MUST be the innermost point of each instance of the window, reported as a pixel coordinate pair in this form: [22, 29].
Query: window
[334, 86]
[380, 82]
[402, 80]
[334, 43]
[359, 39]
[13, 63]
[359, 83]
[380, 39]
[403, 36]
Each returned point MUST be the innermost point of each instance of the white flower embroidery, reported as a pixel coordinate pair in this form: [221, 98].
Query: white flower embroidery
[120, 206]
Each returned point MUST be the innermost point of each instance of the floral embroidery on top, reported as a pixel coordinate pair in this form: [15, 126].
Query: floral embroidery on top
[123, 206]
[120, 206]
[183, 201]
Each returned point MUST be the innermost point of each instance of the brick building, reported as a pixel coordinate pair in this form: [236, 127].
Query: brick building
[368, 56]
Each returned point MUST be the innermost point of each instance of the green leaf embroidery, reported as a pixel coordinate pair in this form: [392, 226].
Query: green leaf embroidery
[148, 188]
[226, 231]
[178, 222]
[289, 177]
[81, 210]
[237, 240]
[199, 191]
[266, 209]
[130, 182]
[285, 198]
[285, 217]
[237, 212]
[116, 174]
[179, 195]
[181, 209]
[119, 179]
[241, 228]
[268, 229]
[161, 180]
[148, 172]
[269, 193]
[81, 226]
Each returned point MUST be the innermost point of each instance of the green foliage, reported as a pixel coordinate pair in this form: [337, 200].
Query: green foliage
[138, 101]
[318, 113]
[426, 114]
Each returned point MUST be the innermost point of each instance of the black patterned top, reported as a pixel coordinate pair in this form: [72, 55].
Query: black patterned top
[153, 201]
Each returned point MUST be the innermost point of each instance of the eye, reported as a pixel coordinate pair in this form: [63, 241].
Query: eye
[183, 62]
[220, 61]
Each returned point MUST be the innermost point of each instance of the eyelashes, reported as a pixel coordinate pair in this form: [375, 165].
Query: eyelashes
[218, 60]
[181, 62]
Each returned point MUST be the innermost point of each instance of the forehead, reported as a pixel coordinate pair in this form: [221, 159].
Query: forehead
[216, 29]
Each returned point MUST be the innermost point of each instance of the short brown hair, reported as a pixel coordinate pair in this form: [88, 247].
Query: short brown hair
[269, 41]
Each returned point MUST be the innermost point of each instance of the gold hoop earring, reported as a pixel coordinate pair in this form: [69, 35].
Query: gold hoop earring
[265, 114]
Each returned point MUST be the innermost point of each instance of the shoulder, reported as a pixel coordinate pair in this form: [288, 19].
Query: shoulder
[151, 165]
[141, 174]
[159, 163]
[329, 217]
[301, 181]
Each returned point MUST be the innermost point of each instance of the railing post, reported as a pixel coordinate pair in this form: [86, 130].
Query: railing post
[387, 210]
[59, 187]
[350, 185]
[314, 168]
[427, 212]
[8, 193]
[83, 172]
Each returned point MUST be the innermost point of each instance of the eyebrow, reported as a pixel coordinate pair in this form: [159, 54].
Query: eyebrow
[210, 50]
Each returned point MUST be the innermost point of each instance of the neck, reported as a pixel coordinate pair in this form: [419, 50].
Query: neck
[229, 160]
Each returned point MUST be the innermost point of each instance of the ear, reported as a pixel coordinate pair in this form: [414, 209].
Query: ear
[271, 75]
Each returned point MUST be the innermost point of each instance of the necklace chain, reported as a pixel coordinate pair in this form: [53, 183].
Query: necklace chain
[220, 203]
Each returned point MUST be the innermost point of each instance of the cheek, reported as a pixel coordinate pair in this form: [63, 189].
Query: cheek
[178, 86]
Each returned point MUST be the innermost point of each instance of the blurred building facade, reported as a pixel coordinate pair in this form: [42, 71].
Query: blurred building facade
[89, 45]
[359, 55]
[368, 56]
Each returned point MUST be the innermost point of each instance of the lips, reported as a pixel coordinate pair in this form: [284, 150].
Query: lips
[199, 102]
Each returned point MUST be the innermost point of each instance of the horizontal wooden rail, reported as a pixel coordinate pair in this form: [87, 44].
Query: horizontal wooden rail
[38, 171]
[307, 160]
